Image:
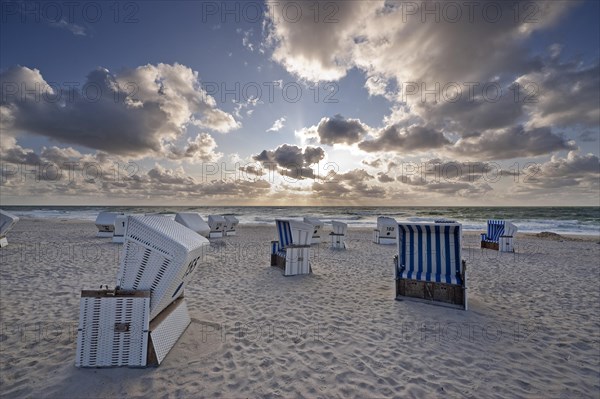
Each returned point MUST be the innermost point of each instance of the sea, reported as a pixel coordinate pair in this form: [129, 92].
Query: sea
[560, 220]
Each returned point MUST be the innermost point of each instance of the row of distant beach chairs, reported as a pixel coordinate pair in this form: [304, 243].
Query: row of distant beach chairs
[114, 224]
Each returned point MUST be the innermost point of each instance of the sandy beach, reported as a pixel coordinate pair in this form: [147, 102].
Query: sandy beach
[532, 329]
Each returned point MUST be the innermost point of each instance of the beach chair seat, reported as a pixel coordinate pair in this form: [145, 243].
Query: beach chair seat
[194, 222]
[137, 323]
[386, 231]
[217, 226]
[291, 251]
[105, 222]
[429, 265]
[499, 236]
[231, 223]
[317, 227]
[7, 222]
[338, 235]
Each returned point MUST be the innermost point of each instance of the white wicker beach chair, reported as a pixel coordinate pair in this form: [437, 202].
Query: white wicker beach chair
[138, 323]
[499, 236]
[386, 231]
[338, 235]
[429, 265]
[231, 223]
[194, 222]
[105, 222]
[291, 251]
[317, 227]
[217, 225]
[7, 222]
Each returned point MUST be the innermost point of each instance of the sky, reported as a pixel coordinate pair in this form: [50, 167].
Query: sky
[300, 103]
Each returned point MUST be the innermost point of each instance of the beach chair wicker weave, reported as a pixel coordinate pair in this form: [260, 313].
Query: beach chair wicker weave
[113, 328]
[338, 235]
[231, 223]
[386, 230]
[105, 222]
[194, 222]
[217, 225]
[159, 255]
[317, 227]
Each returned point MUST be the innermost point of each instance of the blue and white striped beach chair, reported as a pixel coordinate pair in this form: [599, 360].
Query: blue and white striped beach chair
[499, 230]
[429, 265]
[291, 251]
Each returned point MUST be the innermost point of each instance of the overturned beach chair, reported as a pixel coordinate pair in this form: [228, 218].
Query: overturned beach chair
[194, 222]
[499, 236]
[317, 227]
[7, 222]
[429, 267]
[385, 233]
[291, 252]
[217, 226]
[231, 223]
[338, 235]
[105, 222]
[137, 323]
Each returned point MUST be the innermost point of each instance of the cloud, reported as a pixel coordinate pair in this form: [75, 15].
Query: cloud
[351, 185]
[576, 170]
[384, 178]
[24, 164]
[218, 120]
[588, 136]
[514, 142]
[571, 179]
[336, 130]
[471, 113]
[200, 149]
[253, 170]
[75, 29]
[277, 125]
[414, 138]
[374, 163]
[389, 40]
[136, 112]
[293, 161]
[562, 94]
[313, 51]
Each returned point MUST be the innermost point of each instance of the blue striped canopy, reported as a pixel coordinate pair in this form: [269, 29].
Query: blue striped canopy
[495, 228]
[430, 252]
[284, 233]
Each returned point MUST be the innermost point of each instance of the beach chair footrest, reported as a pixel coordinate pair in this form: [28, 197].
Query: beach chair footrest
[490, 245]
[437, 292]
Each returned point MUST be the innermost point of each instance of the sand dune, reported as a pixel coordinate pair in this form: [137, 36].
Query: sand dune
[532, 330]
